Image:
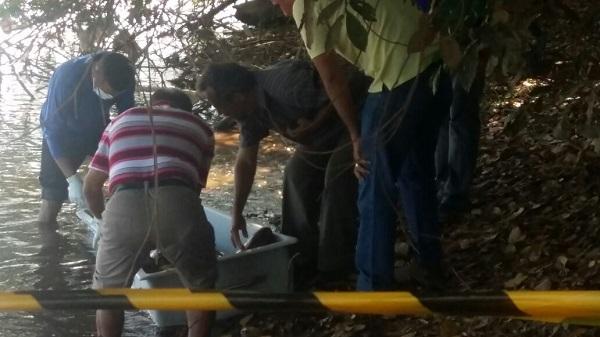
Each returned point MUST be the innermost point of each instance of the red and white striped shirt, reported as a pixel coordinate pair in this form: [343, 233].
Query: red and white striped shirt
[184, 147]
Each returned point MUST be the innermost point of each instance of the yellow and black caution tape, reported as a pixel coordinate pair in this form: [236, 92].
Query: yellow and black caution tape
[552, 306]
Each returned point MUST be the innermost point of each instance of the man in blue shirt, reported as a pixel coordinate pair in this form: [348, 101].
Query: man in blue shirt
[80, 94]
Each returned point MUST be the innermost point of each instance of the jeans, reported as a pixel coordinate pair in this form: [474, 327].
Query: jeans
[458, 146]
[399, 131]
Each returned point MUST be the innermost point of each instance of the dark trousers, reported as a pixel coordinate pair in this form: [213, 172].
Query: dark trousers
[53, 181]
[399, 130]
[319, 207]
[458, 145]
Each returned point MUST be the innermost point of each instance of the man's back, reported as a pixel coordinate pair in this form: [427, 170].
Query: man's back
[290, 93]
[178, 143]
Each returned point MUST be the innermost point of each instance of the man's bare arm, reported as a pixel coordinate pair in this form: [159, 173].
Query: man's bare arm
[338, 89]
[92, 189]
[244, 171]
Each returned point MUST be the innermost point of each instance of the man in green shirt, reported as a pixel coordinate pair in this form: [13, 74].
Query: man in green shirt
[394, 142]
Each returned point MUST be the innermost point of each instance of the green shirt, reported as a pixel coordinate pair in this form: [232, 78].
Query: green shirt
[386, 58]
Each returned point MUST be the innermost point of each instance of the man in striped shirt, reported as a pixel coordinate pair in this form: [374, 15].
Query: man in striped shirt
[166, 144]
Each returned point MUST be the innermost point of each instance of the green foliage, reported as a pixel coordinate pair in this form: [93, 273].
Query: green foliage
[328, 11]
[357, 14]
[10, 8]
[452, 15]
[356, 32]
[337, 26]
[364, 9]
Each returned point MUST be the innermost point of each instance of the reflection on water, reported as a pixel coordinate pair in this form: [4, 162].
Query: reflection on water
[23, 264]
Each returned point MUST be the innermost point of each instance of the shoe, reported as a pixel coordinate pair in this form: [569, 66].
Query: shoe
[343, 279]
[452, 211]
[413, 275]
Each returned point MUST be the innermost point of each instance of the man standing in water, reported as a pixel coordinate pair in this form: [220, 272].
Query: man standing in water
[80, 95]
[168, 143]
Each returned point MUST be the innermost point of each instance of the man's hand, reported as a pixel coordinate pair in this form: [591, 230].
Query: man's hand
[76, 191]
[361, 166]
[238, 223]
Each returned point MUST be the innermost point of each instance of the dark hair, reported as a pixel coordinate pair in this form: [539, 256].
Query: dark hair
[117, 70]
[226, 79]
[175, 97]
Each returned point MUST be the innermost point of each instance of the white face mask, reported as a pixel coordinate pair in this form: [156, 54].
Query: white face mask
[101, 93]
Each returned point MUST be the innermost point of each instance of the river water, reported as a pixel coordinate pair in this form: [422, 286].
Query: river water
[23, 266]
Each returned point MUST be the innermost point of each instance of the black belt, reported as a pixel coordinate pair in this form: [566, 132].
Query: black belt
[140, 185]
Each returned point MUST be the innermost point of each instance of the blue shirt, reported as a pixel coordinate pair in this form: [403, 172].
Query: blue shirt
[73, 116]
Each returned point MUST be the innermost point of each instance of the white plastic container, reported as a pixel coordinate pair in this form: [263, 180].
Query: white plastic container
[264, 268]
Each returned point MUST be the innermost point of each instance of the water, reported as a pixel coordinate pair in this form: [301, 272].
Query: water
[23, 266]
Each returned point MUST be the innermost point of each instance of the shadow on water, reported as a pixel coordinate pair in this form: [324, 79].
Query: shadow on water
[52, 276]
[47, 268]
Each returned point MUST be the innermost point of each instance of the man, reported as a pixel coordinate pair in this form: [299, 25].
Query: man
[80, 94]
[289, 99]
[394, 142]
[168, 143]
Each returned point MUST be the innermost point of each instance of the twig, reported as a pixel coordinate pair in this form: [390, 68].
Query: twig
[31, 95]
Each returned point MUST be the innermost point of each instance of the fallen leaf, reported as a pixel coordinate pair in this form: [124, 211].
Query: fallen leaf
[449, 328]
[561, 262]
[464, 243]
[515, 281]
[244, 321]
[518, 212]
[500, 16]
[510, 249]
[515, 235]
[545, 284]
[250, 332]
[535, 254]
